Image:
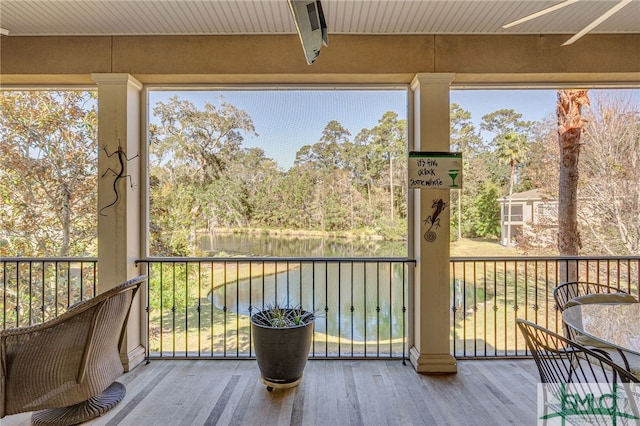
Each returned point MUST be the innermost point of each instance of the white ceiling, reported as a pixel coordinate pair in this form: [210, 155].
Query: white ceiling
[156, 17]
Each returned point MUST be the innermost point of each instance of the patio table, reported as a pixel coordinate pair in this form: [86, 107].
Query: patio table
[615, 325]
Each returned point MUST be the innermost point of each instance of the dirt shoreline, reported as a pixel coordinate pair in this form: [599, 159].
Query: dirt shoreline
[348, 235]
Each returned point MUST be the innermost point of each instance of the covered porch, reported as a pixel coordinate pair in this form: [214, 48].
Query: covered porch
[122, 66]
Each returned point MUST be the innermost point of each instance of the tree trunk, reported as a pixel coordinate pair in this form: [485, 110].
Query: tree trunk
[509, 224]
[351, 207]
[570, 124]
[391, 185]
[65, 216]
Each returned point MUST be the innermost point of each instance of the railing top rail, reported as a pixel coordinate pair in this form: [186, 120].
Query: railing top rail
[321, 259]
[276, 259]
[48, 259]
[530, 258]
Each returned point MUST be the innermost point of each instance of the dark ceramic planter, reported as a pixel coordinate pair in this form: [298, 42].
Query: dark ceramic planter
[281, 352]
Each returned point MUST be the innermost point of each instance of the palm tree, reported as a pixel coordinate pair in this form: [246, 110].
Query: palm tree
[570, 122]
[512, 150]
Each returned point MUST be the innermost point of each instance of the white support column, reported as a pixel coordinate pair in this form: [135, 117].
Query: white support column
[430, 352]
[119, 204]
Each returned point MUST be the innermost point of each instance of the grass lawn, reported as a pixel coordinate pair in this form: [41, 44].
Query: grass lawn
[466, 247]
[492, 295]
[484, 321]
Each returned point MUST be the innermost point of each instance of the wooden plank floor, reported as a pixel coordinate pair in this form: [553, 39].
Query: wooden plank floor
[229, 392]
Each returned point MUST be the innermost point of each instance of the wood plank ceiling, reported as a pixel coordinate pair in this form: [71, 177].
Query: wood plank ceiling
[147, 17]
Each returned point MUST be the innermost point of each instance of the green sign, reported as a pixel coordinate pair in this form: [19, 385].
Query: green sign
[435, 170]
[586, 403]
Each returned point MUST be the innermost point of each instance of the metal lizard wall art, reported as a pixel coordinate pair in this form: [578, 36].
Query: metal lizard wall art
[122, 158]
[434, 219]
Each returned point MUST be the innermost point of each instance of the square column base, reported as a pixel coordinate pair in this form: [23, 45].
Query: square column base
[433, 363]
[133, 358]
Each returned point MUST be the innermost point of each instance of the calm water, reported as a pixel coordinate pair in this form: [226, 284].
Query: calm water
[357, 301]
[265, 245]
[354, 301]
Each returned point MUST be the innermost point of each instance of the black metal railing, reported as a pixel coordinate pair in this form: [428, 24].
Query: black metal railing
[33, 290]
[488, 294]
[200, 307]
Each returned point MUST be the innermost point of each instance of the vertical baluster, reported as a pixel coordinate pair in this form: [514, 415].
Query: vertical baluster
[352, 309]
[211, 310]
[313, 302]
[173, 307]
[366, 313]
[326, 307]
[68, 279]
[288, 289]
[199, 307]
[390, 309]
[30, 298]
[224, 311]
[339, 309]
[474, 306]
[300, 290]
[186, 307]
[547, 292]
[160, 266]
[484, 307]
[506, 305]
[55, 286]
[17, 304]
[495, 308]
[237, 308]
[404, 312]
[378, 309]
[454, 290]
[43, 300]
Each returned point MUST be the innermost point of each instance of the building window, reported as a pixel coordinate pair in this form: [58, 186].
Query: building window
[516, 213]
[546, 212]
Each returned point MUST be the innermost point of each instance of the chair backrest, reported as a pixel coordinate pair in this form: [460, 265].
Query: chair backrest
[606, 298]
[582, 292]
[567, 368]
[567, 291]
[561, 360]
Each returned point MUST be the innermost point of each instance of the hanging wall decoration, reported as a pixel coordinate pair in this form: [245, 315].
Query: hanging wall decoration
[434, 220]
[119, 174]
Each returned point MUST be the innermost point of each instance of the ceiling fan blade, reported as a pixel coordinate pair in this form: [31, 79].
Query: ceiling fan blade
[540, 13]
[597, 22]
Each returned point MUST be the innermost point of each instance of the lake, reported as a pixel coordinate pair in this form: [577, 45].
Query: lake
[356, 301]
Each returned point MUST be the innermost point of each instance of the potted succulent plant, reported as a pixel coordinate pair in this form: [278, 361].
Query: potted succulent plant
[282, 339]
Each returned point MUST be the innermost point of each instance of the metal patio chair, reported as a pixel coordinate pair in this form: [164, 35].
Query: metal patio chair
[563, 293]
[574, 379]
[582, 292]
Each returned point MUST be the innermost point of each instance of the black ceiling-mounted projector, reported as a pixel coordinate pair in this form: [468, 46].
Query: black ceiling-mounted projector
[311, 26]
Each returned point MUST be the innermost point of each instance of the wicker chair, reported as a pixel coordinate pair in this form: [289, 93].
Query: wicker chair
[65, 369]
[568, 368]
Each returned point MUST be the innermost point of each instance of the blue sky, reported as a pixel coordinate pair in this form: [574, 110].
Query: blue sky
[286, 120]
[532, 104]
